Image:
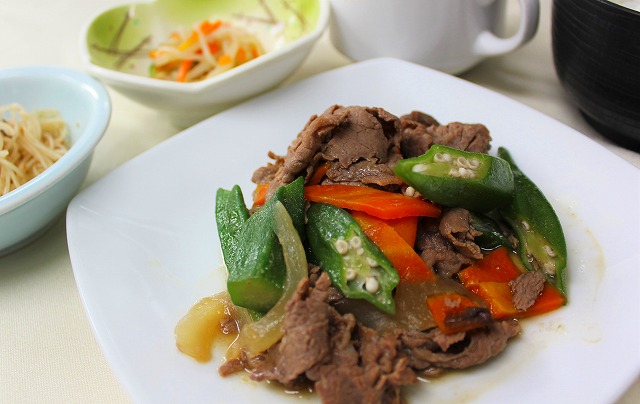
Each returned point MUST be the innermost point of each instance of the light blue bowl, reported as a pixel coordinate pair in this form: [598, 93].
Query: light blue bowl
[84, 104]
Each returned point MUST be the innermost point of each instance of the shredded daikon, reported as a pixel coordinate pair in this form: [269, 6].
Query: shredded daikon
[210, 48]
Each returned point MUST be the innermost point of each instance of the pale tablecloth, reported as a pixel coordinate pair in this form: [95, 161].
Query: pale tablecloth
[48, 352]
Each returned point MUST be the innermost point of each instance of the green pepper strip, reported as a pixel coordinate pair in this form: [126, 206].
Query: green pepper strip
[452, 177]
[251, 250]
[542, 245]
[354, 263]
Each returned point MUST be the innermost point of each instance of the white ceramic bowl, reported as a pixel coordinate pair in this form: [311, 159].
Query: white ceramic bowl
[134, 29]
[84, 104]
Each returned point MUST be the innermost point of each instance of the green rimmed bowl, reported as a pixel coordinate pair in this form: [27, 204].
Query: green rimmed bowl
[116, 43]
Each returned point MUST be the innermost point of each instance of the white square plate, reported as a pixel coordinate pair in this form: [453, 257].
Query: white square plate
[144, 244]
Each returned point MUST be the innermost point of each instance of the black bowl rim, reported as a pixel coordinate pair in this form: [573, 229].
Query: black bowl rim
[618, 7]
[620, 127]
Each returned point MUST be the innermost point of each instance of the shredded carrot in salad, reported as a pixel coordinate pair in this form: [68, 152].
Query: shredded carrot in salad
[210, 48]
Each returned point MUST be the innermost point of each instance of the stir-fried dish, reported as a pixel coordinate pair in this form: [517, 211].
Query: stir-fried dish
[208, 49]
[379, 250]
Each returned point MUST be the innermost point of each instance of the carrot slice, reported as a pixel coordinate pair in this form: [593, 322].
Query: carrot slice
[260, 194]
[410, 267]
[183, 70]
[495, 267]
[318, 174]
[378, 203]
[489, 279]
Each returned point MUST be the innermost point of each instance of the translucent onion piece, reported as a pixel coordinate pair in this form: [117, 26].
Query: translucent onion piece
[411, 306]
[201, 326]
[259, 336]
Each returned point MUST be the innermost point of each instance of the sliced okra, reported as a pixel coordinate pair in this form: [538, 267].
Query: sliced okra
[542, 245]
[452, 177]
[356, 266]
[253, 256]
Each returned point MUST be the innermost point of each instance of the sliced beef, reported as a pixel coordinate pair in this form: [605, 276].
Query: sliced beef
[264, 175]
[346, 136]
[345, 362]
[455, 226]
[415, 140]
[311, 329]
[437, 251]
[446, 341]
[376, 378]
[364, 134]
[365, 171]
[463, 136]
[379, 353]
[421, 118]
[232, 366]
[301, 154]
[526, 289]
[477, 347]
[347, 384]
[262, 366]
[416, 134]
[420, 131]
[447, 244]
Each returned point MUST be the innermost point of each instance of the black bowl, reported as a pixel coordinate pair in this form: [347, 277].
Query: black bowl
[596, 51]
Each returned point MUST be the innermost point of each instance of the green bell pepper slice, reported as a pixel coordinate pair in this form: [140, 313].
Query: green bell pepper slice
[356, 266]
[452, 177]
[542, 245]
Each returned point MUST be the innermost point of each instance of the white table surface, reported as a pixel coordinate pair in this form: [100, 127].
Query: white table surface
[48, 352]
